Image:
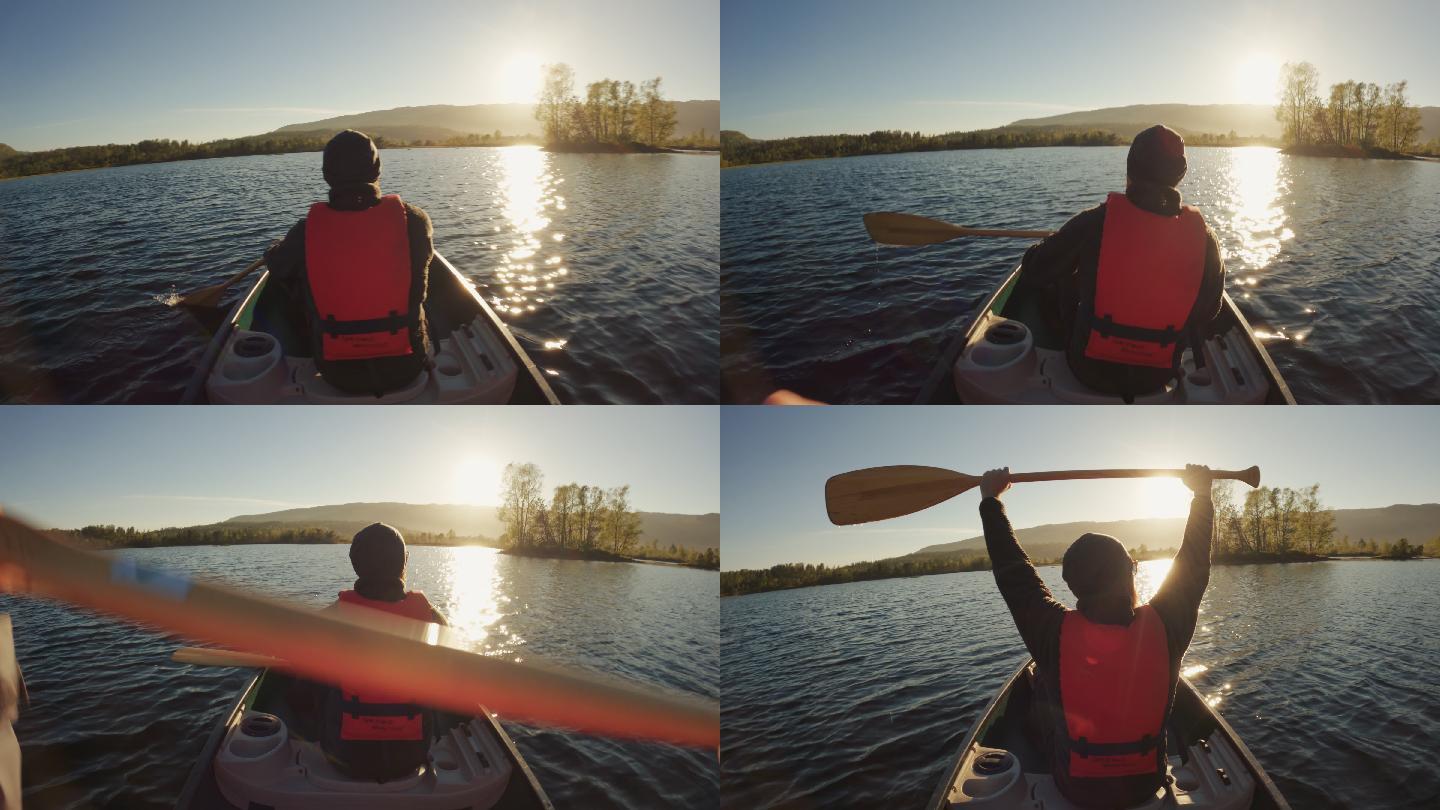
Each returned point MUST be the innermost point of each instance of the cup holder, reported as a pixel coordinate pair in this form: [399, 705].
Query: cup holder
[261, 725]
[993, 762]
[1006, 333]
[256, 345]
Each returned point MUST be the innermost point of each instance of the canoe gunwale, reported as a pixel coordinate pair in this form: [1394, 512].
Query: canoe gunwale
[1185, 690]
[204, 765]
[534, 378]
[942, 375]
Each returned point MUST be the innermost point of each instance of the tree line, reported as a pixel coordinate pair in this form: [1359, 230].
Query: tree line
[23, 164]
[738, 150]
[108, 536]
[1284, 523]
[576, 516]
[1355, 114]
[612, 111]
[802, 575]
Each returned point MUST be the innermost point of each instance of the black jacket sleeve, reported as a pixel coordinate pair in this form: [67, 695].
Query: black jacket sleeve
[1212, 287]
[1059, 254]
[1036, 613]
[286, 259]
[1177, 600]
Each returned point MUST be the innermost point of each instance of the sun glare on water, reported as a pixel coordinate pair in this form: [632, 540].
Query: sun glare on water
[1255, 79]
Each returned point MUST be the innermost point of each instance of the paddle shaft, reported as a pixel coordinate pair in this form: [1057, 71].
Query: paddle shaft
[1078, 475]
[911, 230]
[207, 657]
[371, 649]
[210, 296]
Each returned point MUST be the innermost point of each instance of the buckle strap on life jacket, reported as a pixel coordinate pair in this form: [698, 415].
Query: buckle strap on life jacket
[1085, 748]
[1105, 326]
[356, 708]
[393, 323]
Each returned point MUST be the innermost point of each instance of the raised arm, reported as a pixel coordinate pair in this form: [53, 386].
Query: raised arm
[1034, 609]
[1178, 598]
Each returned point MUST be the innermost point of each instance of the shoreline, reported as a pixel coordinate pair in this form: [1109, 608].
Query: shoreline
[1347, 152]
[724, 166]
[1225, 561]
[595, 555]
[600, 149]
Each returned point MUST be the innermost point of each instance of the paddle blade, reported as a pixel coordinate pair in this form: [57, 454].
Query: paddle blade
[1250, 475]
[880, 493]
[208, 298]
[908, 230]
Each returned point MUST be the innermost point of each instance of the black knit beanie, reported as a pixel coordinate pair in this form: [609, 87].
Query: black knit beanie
[351, 158]
[1157, 155]
[1097, 565]
[378, 556]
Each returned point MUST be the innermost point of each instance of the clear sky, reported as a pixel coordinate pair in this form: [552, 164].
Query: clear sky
[776, 461]
[76, 72]
[66, 467]
[826, 66]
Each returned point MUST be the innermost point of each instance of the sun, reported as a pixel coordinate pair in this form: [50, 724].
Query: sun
[518, 80]
[477, 481]
[1255, 79]
[1161, 498]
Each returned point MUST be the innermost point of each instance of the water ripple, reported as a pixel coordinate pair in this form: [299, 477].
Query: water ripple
[615, 255]
[859, 695]
[1335, 263]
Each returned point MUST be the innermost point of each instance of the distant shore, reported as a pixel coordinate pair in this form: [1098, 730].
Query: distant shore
[1351, 152]
[594, 555]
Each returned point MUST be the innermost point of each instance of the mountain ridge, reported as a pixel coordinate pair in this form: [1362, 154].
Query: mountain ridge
[1418, 523]
[694, 532]
[442, 121]
[1191, 119]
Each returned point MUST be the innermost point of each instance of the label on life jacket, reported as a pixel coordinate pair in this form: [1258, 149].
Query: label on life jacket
[1146, 285]
[376, 715]
[358, 267]
[1114, 692]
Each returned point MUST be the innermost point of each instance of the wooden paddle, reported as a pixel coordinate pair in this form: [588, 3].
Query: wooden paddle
[881, 493]
[909, 230]
[374, 651]
[209, 297]
[209, 657]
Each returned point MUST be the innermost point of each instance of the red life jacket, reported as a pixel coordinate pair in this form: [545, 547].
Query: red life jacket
[358, 266]
[1114, 693]
[1146, 285]
[383, 716]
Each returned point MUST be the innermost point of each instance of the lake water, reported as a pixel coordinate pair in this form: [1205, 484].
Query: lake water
[1336, 263]
[114, 723]
[603, 265]
[860, 694]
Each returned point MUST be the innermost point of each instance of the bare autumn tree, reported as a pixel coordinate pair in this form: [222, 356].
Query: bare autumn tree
[557, 95]
[1299, 86]
[656, 115]
[620, 529]
[522, 502]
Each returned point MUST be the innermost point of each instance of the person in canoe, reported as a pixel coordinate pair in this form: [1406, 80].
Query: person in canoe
[355, 273]
[1134, 280]
[372, 736]
[1106, 671]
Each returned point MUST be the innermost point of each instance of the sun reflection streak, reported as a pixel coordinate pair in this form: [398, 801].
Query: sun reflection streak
[528, 262]
[477, 600]
[1251, 211]
[1149, 576]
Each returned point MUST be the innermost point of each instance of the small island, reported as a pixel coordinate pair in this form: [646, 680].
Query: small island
[580, 522]
[1358, 119]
